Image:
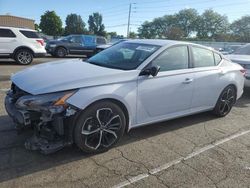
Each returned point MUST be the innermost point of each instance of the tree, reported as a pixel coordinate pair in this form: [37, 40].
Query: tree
[186, 20]
[241, 29]
[74, 24]
[37, 27]
[132, 35]
[210, 24]
[162, 27]
[112, 34]
[95, 24]
[51, 24]
[146, 30]
[175, 33]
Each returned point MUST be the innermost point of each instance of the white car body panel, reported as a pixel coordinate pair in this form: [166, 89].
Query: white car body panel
[147, 99]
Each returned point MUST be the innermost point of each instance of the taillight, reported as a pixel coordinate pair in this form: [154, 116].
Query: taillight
[40, 41]
[243, 71]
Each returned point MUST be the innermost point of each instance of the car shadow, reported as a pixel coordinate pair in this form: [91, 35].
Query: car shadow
[14, 156]
[244, 101]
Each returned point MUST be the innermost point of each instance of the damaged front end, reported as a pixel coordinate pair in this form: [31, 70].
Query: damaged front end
[48, 115]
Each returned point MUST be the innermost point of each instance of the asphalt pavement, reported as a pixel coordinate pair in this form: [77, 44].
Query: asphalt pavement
[196, 151]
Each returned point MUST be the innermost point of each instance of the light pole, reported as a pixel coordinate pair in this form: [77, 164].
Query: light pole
[129, 15]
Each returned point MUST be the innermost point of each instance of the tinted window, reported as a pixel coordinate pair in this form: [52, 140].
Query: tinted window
[100, 40]
[126, 56]
[7, 33]
[217, 58]
[203, 57]
[76, 39]
[30, 34]
[173, 59]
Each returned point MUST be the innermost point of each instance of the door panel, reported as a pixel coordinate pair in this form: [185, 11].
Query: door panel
[161, 96]
[208, 79]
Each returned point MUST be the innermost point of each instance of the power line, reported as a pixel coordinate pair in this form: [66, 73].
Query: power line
[121, 25]
[222, 5]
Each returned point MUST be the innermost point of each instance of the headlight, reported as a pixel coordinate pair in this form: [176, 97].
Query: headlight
[53, 101]
[52, 45]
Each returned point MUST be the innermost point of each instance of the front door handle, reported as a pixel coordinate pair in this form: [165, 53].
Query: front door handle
[187, 81]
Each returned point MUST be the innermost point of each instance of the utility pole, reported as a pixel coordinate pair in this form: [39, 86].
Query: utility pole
[129, 13]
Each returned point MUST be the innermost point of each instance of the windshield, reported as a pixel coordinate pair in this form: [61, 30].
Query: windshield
[125, 55]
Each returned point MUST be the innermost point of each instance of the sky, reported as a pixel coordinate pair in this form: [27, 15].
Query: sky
[115, 12]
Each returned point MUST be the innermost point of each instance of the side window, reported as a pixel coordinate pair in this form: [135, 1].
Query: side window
[100, 40]
[202, 57]
[173, 59]
[76, 39]
[30, 34]
[217, 58]
[7, 33]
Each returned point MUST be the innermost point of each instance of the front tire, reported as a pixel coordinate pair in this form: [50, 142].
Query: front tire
[99, 127]
[225, 102]
[23, 57]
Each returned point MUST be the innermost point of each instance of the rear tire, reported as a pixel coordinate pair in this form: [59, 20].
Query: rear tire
[99, 127]
[60, 52]
[23, 57]
[225, 102]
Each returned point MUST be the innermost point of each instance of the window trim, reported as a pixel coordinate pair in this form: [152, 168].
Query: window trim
[220, 58]
[14, 35]
[176, 45]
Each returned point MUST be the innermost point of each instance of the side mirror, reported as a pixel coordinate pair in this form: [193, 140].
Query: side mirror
[150, 71]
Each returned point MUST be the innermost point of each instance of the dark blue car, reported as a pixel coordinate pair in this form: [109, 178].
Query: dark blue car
[75, 44]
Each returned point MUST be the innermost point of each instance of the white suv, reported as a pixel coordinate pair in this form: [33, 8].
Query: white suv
[21, 44]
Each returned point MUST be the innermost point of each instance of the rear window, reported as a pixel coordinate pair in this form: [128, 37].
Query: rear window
[202, 57]
[30, 34]
[7, 33]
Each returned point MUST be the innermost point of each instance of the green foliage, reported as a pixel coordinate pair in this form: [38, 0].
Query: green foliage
[210, 24]
[187, 24]
[95, 24]
[186, 20]
[111, 34]
[37, 27]
[132, 35]
[74, 25]
[241, 29]
[51, 24]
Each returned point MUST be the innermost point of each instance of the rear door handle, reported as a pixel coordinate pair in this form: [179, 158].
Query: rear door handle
[187, 81]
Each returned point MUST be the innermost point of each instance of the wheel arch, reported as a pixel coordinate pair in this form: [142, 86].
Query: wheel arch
[22, 47]
[118, 103]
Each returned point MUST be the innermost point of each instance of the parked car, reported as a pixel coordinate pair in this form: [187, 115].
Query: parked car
[105, 46]
[21, 44]
[75, 44]
[229, 49]
[242, 57]
[134, 83]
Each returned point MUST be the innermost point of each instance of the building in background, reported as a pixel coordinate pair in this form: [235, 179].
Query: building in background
[14, 21]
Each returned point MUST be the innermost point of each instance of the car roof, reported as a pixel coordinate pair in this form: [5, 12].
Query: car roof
[162, 42]
[17, 28]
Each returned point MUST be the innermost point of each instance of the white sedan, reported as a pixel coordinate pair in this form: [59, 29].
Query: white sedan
[134, 83]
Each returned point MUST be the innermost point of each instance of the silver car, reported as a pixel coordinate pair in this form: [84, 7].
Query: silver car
[134, 83]
[242, 57]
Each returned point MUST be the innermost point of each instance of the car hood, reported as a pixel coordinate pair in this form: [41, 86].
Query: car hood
[242, 59]
[66, 75]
